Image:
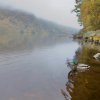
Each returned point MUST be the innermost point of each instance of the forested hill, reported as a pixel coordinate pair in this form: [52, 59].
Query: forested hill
[21, 22]
[18, 28]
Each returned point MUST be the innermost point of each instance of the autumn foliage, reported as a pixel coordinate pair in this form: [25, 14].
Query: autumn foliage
[88, 12]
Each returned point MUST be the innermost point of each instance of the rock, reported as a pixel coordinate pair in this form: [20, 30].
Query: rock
[97, 56]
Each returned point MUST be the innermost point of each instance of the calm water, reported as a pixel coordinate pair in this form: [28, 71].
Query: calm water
[85, 85]
[36, 74]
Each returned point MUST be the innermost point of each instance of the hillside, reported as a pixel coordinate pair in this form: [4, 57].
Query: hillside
[17, 27]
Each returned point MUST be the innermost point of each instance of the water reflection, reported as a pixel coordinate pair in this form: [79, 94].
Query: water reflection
[84, 84]
[65, 94]
[12, 41]
[72, 78]
[31, 70]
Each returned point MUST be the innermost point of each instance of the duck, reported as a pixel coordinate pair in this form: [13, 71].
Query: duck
[82, 66]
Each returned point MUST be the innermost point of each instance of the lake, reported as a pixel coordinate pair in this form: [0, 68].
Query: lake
[38, 73]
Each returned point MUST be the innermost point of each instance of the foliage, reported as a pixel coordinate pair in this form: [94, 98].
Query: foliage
[77, 11]
[88, 12]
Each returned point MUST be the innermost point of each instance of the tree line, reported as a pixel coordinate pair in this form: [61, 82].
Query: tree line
[88, 13]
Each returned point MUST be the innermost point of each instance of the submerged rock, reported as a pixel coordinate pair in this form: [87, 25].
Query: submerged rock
[97, 56]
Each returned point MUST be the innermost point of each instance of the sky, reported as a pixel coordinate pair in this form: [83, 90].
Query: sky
[58, 11]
